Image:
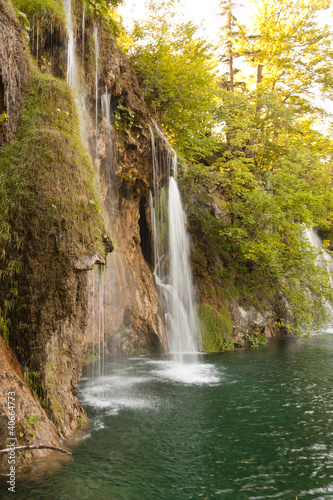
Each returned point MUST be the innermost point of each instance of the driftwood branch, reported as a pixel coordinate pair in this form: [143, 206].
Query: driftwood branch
[35, 447]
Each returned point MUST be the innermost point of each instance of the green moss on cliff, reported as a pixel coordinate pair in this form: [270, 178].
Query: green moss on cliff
[45, 12]
[216, 329]
[47, 190]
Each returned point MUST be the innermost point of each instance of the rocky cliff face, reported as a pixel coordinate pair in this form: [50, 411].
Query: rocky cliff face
[14, 72]
[52, 331]
[132, 311]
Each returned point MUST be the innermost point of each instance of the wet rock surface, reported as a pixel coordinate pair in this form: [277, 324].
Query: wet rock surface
[14, 71]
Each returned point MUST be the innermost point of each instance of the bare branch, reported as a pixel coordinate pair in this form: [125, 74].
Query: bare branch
[35, 447]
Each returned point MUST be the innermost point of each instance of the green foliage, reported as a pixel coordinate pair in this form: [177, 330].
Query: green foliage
[31, 423]
[3, 117]
[256, 339]
[32, 377]
[228, 36]
[177, 73]
[270, 167]
[226, 346]
[45, 12]
[276, 177]
[294, 51]
[102, 7]
[104, 10]
[216, 329]
[124, 120]
[24, 21]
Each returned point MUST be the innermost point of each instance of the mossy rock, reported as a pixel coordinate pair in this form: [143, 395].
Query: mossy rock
[216, 329]
[48, 195]
[45, 12]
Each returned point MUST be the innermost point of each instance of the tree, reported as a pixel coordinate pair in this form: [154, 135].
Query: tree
[176, 69]
[228, 35]
[276, 171]
[277, 181]
[293, 49]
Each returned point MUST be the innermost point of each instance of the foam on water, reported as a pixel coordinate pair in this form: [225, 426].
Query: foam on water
[111, 400]
[126, 387]
[116, 392]
[189, 374]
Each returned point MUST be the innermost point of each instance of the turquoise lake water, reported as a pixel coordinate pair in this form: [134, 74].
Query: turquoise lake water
[252, 423]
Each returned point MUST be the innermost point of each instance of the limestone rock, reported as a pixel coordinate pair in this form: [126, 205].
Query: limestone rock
[14, 71]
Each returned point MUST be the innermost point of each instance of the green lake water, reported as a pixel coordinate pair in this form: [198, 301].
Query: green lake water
[252, 423]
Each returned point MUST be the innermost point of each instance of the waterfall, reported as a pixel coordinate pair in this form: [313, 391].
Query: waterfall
[101, 334]
[108, 141]
[172, 271]
[106, 108]
[71, 58]
[96, 287]
[93, 322]
[95, 33]
[325, 261]
[83, 28]
[97, 292]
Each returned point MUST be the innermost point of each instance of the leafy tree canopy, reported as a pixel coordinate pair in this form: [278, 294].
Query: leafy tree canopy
[294, 48]
[177, 70]
[276, 172]
[276, 180]
[257, 139]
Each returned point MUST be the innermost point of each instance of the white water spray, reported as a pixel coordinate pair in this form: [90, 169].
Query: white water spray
[172, 251]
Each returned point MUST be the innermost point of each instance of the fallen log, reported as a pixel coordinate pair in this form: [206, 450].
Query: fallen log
[35, 447]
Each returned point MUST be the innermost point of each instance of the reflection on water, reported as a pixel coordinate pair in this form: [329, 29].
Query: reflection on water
[248, 424]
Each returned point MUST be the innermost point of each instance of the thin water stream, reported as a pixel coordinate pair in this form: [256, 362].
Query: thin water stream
[249, 424]
[71, 55]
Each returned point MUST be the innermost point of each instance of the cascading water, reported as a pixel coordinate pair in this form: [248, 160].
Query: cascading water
[72, 69]
[71, 58]
[101, 328]
[83, 29]
[107, 129]
[106, 109]
[172, 251]
[325, 261]
[95, 34]
[106, 113]
[97, 295]
[96, 287]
